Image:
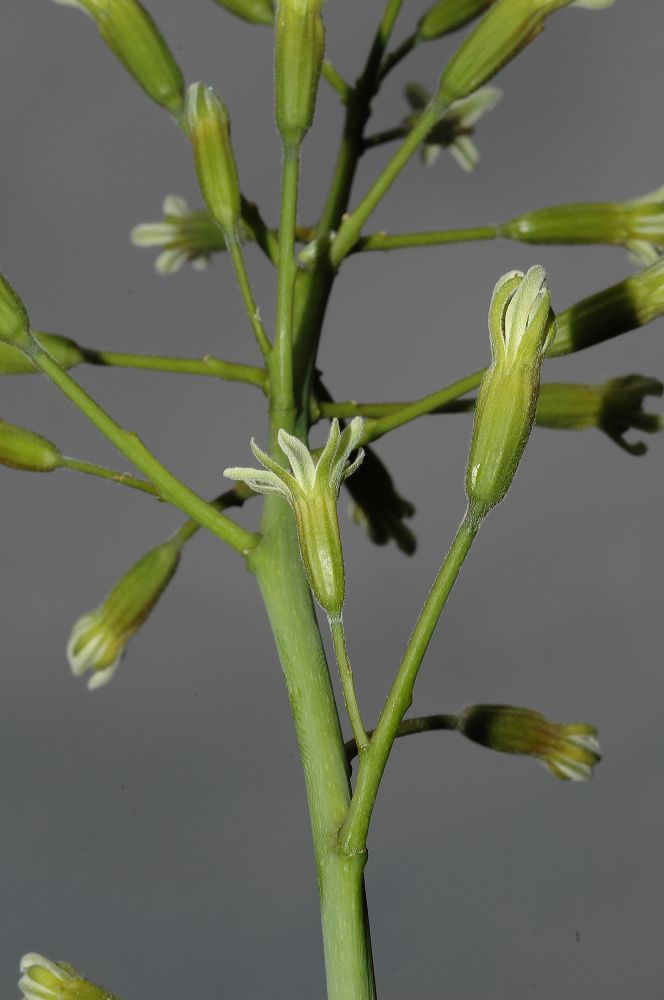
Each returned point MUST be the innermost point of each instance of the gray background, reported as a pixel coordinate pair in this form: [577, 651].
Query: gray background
[155, 833]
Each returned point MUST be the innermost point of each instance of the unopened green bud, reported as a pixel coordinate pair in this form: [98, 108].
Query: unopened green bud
[569, 751]
[521, 325]
[637, 225]
[99, 638]
[299, 50]
[209, 132]
[62, 349]
[506, 28]
[14, 321]
[23, 449]
[312, 491]
[136, 41]
[42, 979]
[447, 16]
[256, 11]
[614, 407]
[622, 307]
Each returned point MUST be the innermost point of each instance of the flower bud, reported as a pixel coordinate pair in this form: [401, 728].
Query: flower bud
[209, 132]
[299, 50]
[98, 639]
[256, 11]
[14, 321]
[638, 225]
[506, 28]
[521, 326]
[447, 16]
[25, 450]
[42, 979]
[622, 307]
[312, 491]
[136, 41]
[613, 407]
[569, 751]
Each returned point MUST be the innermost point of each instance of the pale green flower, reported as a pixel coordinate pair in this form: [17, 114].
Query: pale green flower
[454, 130]
[183, 234]
[42, 979]
[312, 490]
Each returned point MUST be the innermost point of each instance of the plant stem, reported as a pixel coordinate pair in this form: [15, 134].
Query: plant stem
[229, 371]
[347, 683]
[123, 478]
[428, 404]
[411, 727]
[275, 561]
[336, 81]
[351, 227]
[394, 58]
[353, 834]
[167, 486]
[440, 237]
[348, 409]
[253, 312]
[281, 366]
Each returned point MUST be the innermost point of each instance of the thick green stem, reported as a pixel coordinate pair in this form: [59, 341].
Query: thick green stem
[277, 565]
[281, 366]
[353, 835]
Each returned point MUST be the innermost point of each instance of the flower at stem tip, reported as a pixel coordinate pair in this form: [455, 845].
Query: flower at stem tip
[99, 638]
[183, 234]
[42, 979]
[521, 327]
[569, 751]
[455, 128]
[312, 490]
[614, 407]
[137, 43]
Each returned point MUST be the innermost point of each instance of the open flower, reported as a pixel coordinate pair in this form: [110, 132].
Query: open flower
[312, 490]
[99, 638]
[569, 751]
[455, 128]
[183, 234]
[42, 979]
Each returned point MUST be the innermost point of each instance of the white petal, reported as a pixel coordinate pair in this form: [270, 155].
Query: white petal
[300, 459]
[101, 677]
[464, 151]
[153, 234]
[170, 261]
[175, 204]
[430, 153]
[641, 253]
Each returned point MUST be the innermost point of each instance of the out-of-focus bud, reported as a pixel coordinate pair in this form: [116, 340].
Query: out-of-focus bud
[137, 43]
[312, 491]
[42, 979]
[23, 449]
[209, 132]
[455, 128]
[98, 639]
[183, 234]
[447, 16]
[506, 28]
[521, 325]
[378, 506]
[299, 50]
[622, 307]
[62, 349]
[637, 225]
[255, 11]
[614, 407]
[14, 321]
[568, 751]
